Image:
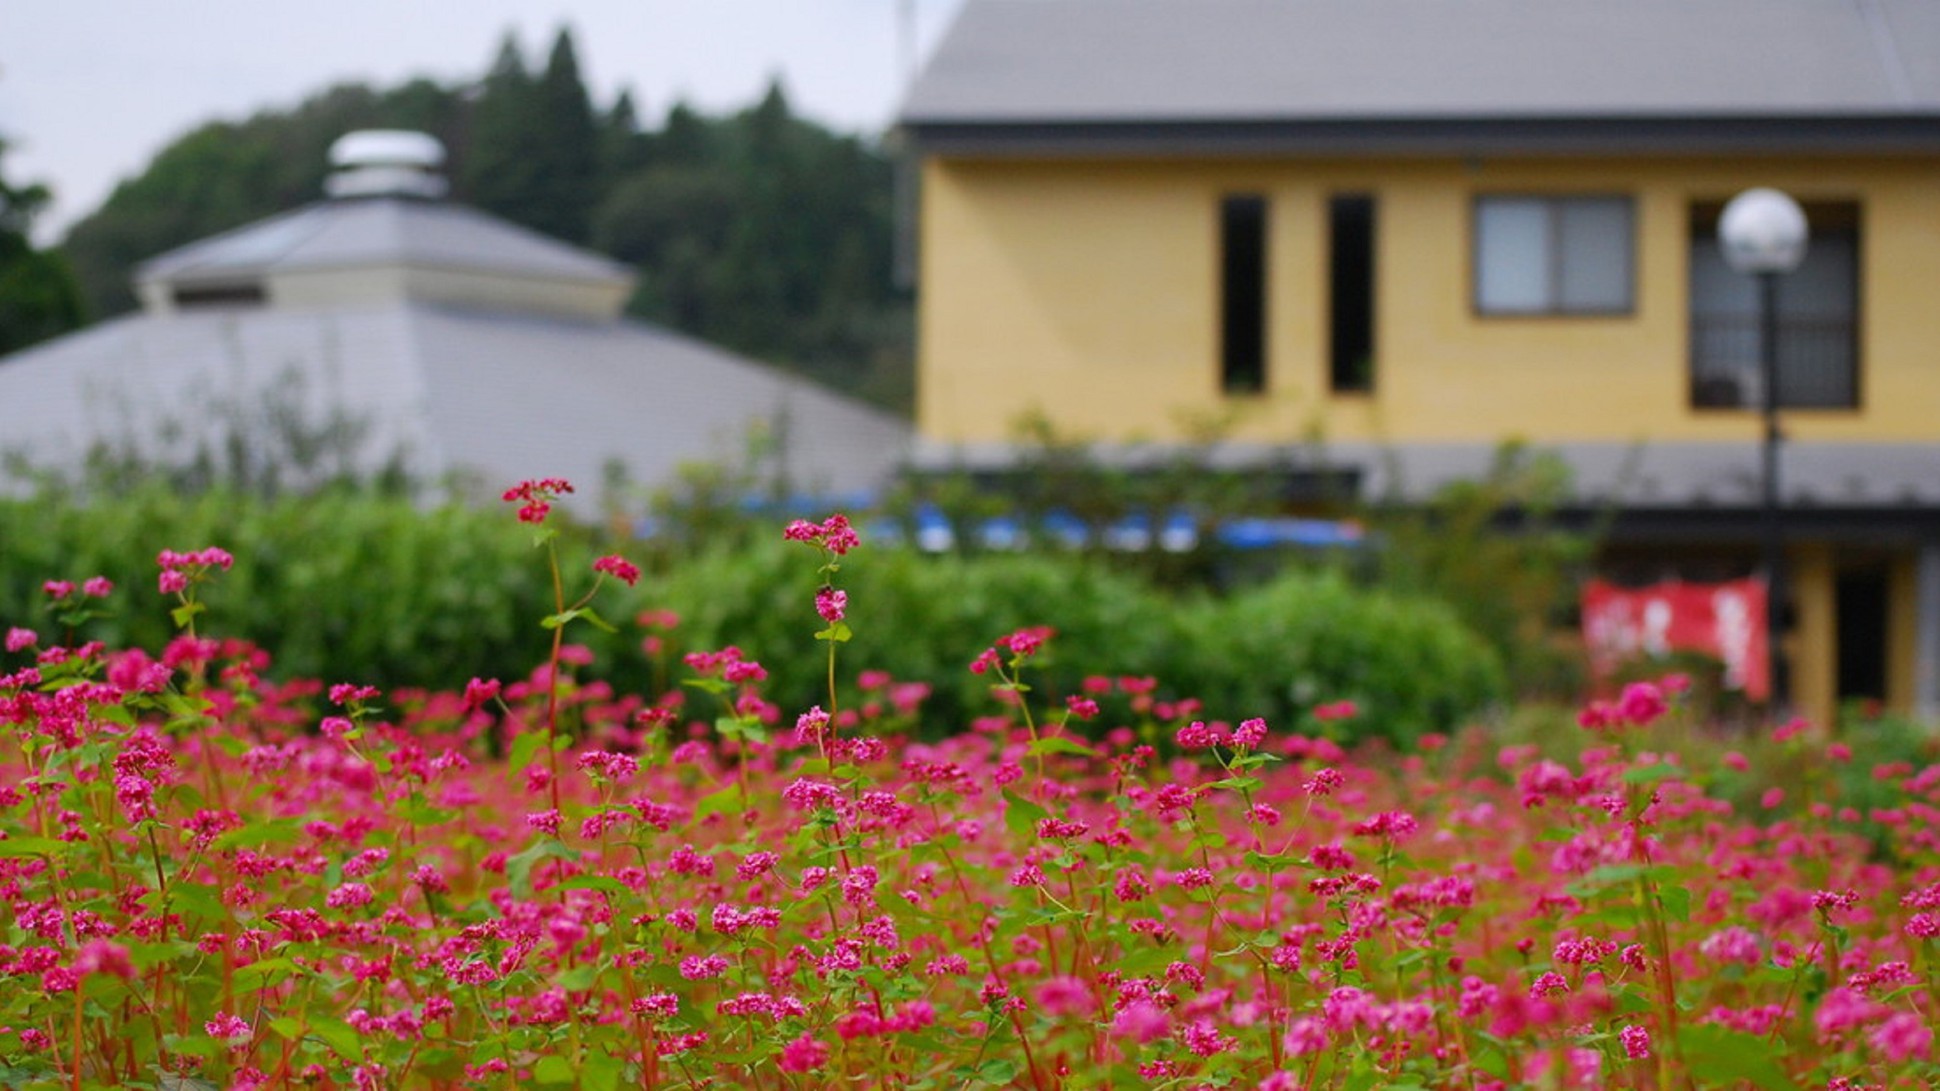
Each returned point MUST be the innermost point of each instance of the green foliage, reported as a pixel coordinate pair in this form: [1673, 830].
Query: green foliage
[38, 295]
[1274, 651]
[917, 617]
[339, 585]
[534, 152]
[350, 586]
[1498, 550]
[1407, 662]
[769, 235]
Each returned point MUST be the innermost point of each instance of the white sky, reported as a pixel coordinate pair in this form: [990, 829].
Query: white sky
[90, 90]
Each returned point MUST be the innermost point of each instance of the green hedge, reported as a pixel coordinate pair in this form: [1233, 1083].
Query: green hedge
[347, 587]
[337, 586]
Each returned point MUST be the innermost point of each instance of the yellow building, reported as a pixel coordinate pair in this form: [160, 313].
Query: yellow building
[1417, 228]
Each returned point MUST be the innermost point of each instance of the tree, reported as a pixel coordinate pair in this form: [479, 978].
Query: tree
[570, 163]
[534, 153]
[38, 296]
[623, 147]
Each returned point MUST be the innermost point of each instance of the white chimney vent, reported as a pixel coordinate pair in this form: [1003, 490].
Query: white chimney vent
[386, 163]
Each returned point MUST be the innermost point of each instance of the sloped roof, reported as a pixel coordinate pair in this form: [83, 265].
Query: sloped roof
[1172, 62]
[376, 231]
[500, 397]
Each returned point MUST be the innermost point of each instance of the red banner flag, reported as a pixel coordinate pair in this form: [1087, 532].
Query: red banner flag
[1724, 620]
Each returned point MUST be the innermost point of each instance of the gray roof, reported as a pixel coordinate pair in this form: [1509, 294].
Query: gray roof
[1023, 62]
[379, 231]
[495, 397]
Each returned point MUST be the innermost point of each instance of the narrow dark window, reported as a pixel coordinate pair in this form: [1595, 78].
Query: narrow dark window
[219, 295]
[1350, 228]
[1242, 236]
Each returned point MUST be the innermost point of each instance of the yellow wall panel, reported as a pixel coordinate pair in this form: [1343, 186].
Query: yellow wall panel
[1089, 291]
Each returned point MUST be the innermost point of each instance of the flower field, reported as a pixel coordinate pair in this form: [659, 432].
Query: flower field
[214, 880]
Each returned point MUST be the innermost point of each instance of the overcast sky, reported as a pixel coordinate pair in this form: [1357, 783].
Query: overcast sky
[90, 90]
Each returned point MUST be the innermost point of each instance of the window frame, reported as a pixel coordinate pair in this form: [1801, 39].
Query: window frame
[1555, 256]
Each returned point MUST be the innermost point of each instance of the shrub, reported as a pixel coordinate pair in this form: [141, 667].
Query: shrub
[349, 585]
[1408, 664]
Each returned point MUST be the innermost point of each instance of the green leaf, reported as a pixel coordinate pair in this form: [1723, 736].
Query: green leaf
[338, 1036]
[258, 975]
[1675, 901]
[1059, 744]
[1650, 774]
[997, 1073]
[524, 748]
[601, 1072]
[592, 618]
[518, 868]
[837, 633]
[605, 884]
[553, 1070]
[1719, 1057]
[1236, 784]
[185, 613]
[276, 831]
[14, 847]
[725, 801]
[1021, 816]
[198, 901]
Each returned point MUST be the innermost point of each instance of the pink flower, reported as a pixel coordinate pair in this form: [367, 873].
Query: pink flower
[831, 604]
[19, 638]
[349, 896]
[1141, 1020]
[1642, 703]
[1196, 736]
[57, 589]
[1902, 1036]
[100, 956]
[226, 1027]
[619, 568]
[536, 497]
[834, 534]
[1305, 1035]
[99, 587]
[344, 693]
[1636, 1042]
[478, 691]
[804, 1054]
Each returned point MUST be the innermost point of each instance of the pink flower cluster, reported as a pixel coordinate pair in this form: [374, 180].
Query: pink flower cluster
[180, 569]
[833, 534]
[535, 497]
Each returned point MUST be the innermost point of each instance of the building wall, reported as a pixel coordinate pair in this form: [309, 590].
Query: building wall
[1088, 291]
[318, 288]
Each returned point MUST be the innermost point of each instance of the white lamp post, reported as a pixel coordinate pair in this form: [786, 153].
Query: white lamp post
[1763, 234]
